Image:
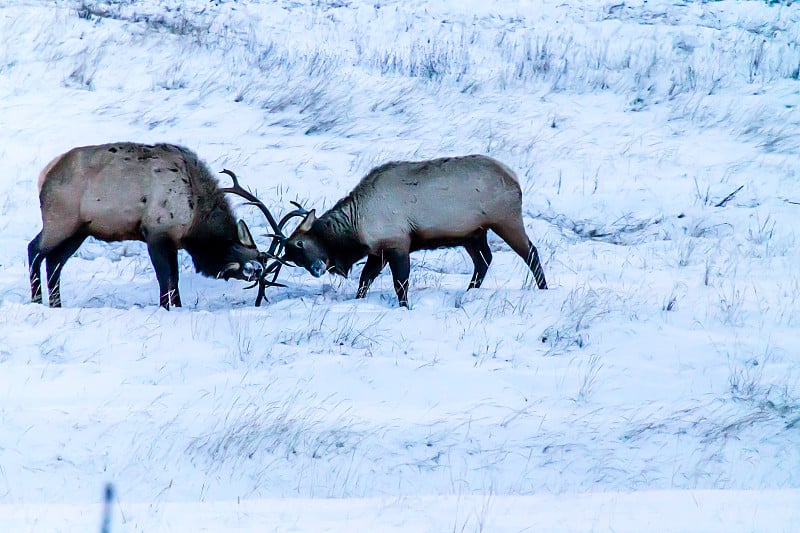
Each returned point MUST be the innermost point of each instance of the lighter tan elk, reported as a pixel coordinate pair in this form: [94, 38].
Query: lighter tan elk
[161, 194]
[401, 207]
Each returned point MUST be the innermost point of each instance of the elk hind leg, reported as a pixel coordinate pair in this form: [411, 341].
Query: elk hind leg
[55, 261]
[372, 268]
[514, 234]
[164, 256]
[478, 249]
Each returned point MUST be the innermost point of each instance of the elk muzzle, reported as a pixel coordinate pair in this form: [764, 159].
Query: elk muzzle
[318, 268]
[252, 270]
[249, 271]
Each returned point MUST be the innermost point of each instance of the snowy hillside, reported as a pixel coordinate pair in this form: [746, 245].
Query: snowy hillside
[654, 387]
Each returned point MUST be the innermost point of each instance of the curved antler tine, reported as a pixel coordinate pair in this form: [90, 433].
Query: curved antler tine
[273, 282]
[280, 239]
[277, 259]
[262, 287]
[299, 207]
[232, 175]
[238, 190]
[274, 268]
[290, 215]
[275, 248]
[266, 283]
[271, 269]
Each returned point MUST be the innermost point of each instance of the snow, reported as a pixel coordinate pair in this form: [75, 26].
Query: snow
[654, 386]
[708, 511]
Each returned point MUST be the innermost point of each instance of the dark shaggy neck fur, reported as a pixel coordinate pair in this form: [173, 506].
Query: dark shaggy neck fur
[212, 235]
[338, 230]
[209, 256]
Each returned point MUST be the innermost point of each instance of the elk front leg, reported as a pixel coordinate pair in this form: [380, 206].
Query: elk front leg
[372, 268]
[164, 256]
[55, 261]
[35, 268]
[400, 263]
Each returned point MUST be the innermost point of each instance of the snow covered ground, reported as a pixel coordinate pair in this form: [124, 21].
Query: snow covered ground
[654, 387]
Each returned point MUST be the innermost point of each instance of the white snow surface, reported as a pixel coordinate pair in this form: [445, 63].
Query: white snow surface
[654, 387]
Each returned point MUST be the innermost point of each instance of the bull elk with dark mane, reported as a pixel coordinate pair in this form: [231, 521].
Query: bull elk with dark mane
[400, 207]
[161, 194]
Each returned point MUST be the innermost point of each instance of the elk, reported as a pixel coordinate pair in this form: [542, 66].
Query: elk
[404, 206]
[161, 194]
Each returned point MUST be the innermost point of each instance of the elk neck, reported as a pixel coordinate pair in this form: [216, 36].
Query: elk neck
[338, 229]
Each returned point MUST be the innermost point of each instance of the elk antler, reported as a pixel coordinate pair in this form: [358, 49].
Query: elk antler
[274, 253]
[278, 238]
[238, 190]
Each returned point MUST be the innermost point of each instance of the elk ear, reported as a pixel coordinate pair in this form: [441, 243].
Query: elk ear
[307, 222]
[244, 235]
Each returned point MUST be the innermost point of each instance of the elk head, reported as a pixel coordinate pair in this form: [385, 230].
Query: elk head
[243, 261]
[304, 249]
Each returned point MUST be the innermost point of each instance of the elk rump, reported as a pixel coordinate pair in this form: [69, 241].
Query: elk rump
[161, 194]
[400, 207]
